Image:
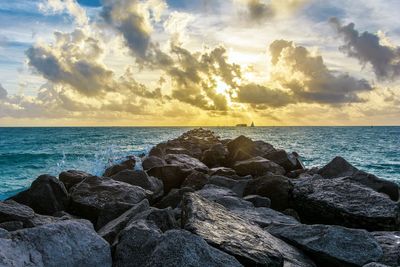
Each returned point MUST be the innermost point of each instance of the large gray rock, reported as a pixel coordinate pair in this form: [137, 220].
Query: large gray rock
[390, 244]
[237, 236]
[67, 243]
[257, 166]
[140, 178]
[258, 201]
[330, 245]
[186, 162]
[128, 164]
[163, 218]
[72, 177]
[215, 156]
[344, 202]
[339, 167]
[196, 180]
[110, 231]
[96, 195]
[243, 148]
[276, 187]
[180, 248]
[172, 176]
[46, 195]
[288, 161]
[151, 162]
[237, 186]
[173, 198]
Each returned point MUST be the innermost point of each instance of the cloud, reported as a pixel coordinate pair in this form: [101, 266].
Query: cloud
[262, 97]
[69, 6]
[134, 19]
[260, 10]
[369, 48]
[309, 79]
[3, 92]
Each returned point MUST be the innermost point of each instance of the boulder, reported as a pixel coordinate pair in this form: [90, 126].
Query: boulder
[110, 211]
[186, 162]
[95, 194]
[344, 202]
[243, 148]
[288, 161]
[275, 187]
[339, 167]
[215, 156]
[330, 245]
[223, 171]
[46, 195]
[258, 201]
[140, 178]
[72, 177]
[257, 166]
[390, 244]
[180, 248]
[128, 164]
[66, 243]
[173, 198]
[12, 225]
[110, 231]
[172, 176]
[196, 180]
[237, 186]
[163, 218]
[151, 162]
[237, 236]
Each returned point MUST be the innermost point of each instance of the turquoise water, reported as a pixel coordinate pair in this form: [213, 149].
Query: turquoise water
[26, 153]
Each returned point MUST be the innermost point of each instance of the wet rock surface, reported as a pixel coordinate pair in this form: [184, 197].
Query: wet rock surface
[199, 200]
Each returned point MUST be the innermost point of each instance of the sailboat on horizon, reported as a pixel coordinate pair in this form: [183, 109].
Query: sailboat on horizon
[252, 124]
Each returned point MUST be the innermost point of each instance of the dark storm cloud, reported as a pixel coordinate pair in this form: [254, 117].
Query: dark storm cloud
[259, 11]
[368, 48]
[261, 96]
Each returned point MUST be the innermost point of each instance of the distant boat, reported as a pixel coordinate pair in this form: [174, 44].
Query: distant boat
[241, 125]
[252, 124]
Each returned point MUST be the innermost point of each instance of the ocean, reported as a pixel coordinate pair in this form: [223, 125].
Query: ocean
[25, 153]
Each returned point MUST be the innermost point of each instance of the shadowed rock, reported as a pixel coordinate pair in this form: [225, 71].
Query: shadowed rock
[344, 202]
[196, 180]
[258, 201]
[186, 162]
[390, 244]
[128, 164]
[172, 176]
[257, 166]
[151, 162]
[66, 243]
[94, 194]
[46, 195]
[72, 177]
[329, 245]
[215, 156]
[288, 161]
[237, 236]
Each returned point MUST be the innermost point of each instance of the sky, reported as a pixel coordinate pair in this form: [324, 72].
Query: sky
[204, 62]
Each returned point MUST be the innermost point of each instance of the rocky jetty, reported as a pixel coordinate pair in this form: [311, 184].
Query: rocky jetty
[200, 200]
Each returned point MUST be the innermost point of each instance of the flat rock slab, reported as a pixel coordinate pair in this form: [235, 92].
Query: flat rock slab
[67, 243]
[331, 245]
[237, 236]
[344, 202]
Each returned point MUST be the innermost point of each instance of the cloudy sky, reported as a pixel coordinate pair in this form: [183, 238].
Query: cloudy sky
[209, 62]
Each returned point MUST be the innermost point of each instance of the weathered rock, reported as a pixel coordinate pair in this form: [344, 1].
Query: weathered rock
[237, 236]
[186, 162]
[111, 229]
[66, 243]
[172, 176]
[215, 156]
[214, 192]
[237, 186]
[163, 218]
[173, 198]
[330, 245]
[46, 195]
[90, 197]
[110, 211]
[140, 178]
[339, 167]
[288, 161]
[276, 187]
[181, 248]
[390, 244]
[196, 180]
[344, 202]
[257, 166]
[258, 201]
[128, 164]
[12, 225]
[72, 177]
[375, 264]
[151, 162]
[243, 148]
[222, 171]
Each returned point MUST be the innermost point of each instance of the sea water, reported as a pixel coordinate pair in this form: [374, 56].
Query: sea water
[26, 153]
